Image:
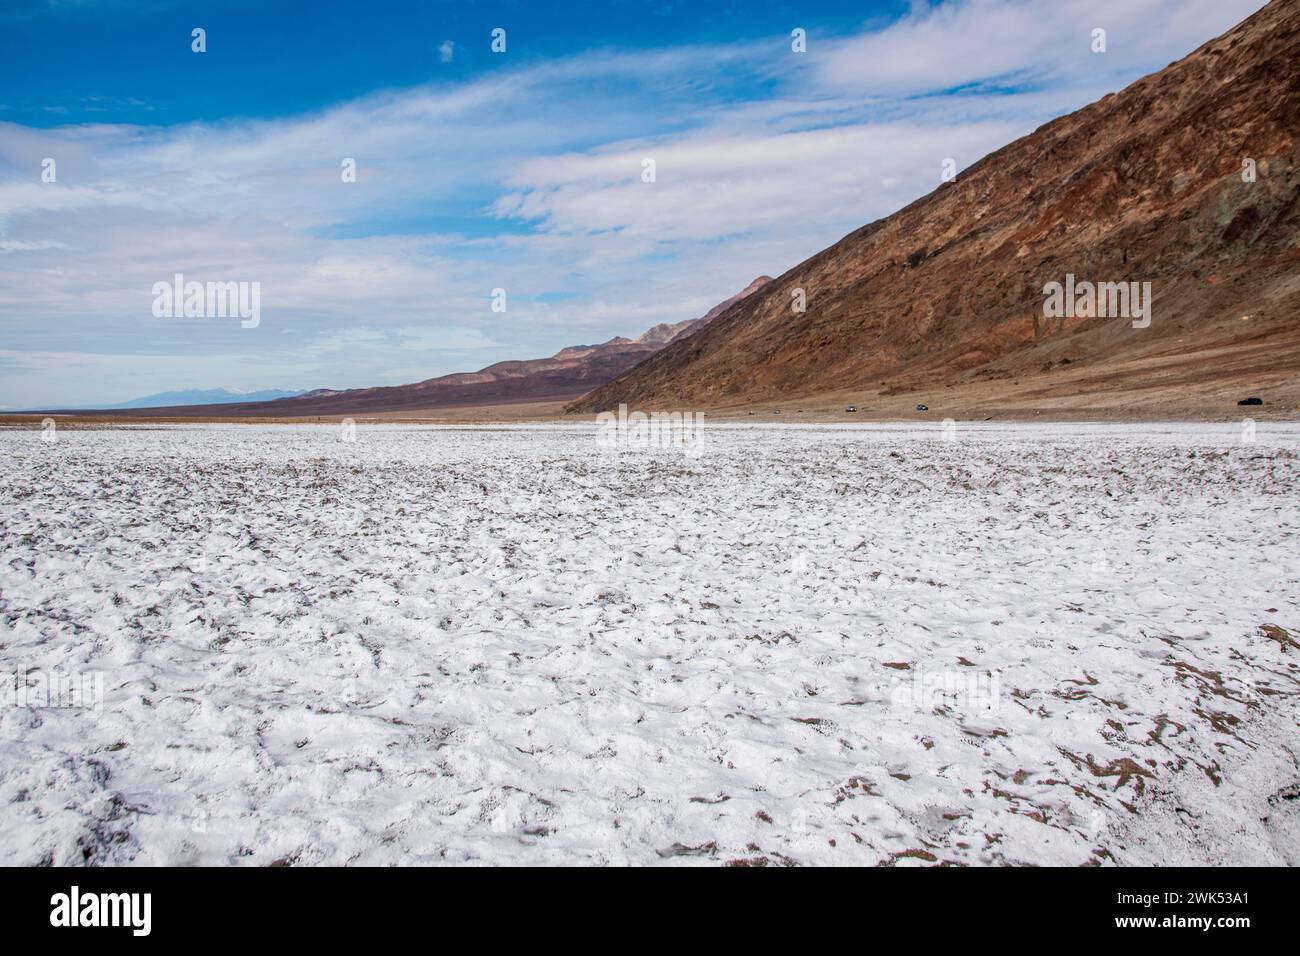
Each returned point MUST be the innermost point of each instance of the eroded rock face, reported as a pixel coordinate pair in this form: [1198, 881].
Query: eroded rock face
[1188, 179]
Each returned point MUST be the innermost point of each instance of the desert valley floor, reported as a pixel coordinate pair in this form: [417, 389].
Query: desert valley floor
[1069, 644]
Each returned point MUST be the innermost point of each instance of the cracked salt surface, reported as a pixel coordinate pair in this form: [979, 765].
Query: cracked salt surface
[855, 645]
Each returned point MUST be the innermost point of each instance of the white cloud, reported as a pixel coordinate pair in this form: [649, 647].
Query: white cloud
[711, 186]
[1026, 41]
[34, 245]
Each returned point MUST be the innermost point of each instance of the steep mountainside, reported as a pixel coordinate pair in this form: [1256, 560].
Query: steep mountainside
[1146, 185]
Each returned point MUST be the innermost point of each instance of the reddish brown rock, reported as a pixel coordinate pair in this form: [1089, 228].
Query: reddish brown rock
[1144, 185]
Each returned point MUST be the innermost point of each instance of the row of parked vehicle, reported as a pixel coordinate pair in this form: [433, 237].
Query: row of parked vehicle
[854, 408]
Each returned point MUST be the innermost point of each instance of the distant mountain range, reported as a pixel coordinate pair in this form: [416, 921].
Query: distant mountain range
[563, 376]
[199, 396]
[1184, 186]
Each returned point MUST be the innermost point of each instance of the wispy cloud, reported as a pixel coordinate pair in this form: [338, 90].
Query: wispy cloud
[1023, 43]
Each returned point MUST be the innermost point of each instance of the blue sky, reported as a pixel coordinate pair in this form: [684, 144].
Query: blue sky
[479, 170]
[82, 61]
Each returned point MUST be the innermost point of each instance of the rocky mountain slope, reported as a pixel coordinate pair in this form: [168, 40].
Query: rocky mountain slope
[1151, 184]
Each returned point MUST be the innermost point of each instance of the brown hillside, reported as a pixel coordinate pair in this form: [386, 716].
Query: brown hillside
[1142, 186]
